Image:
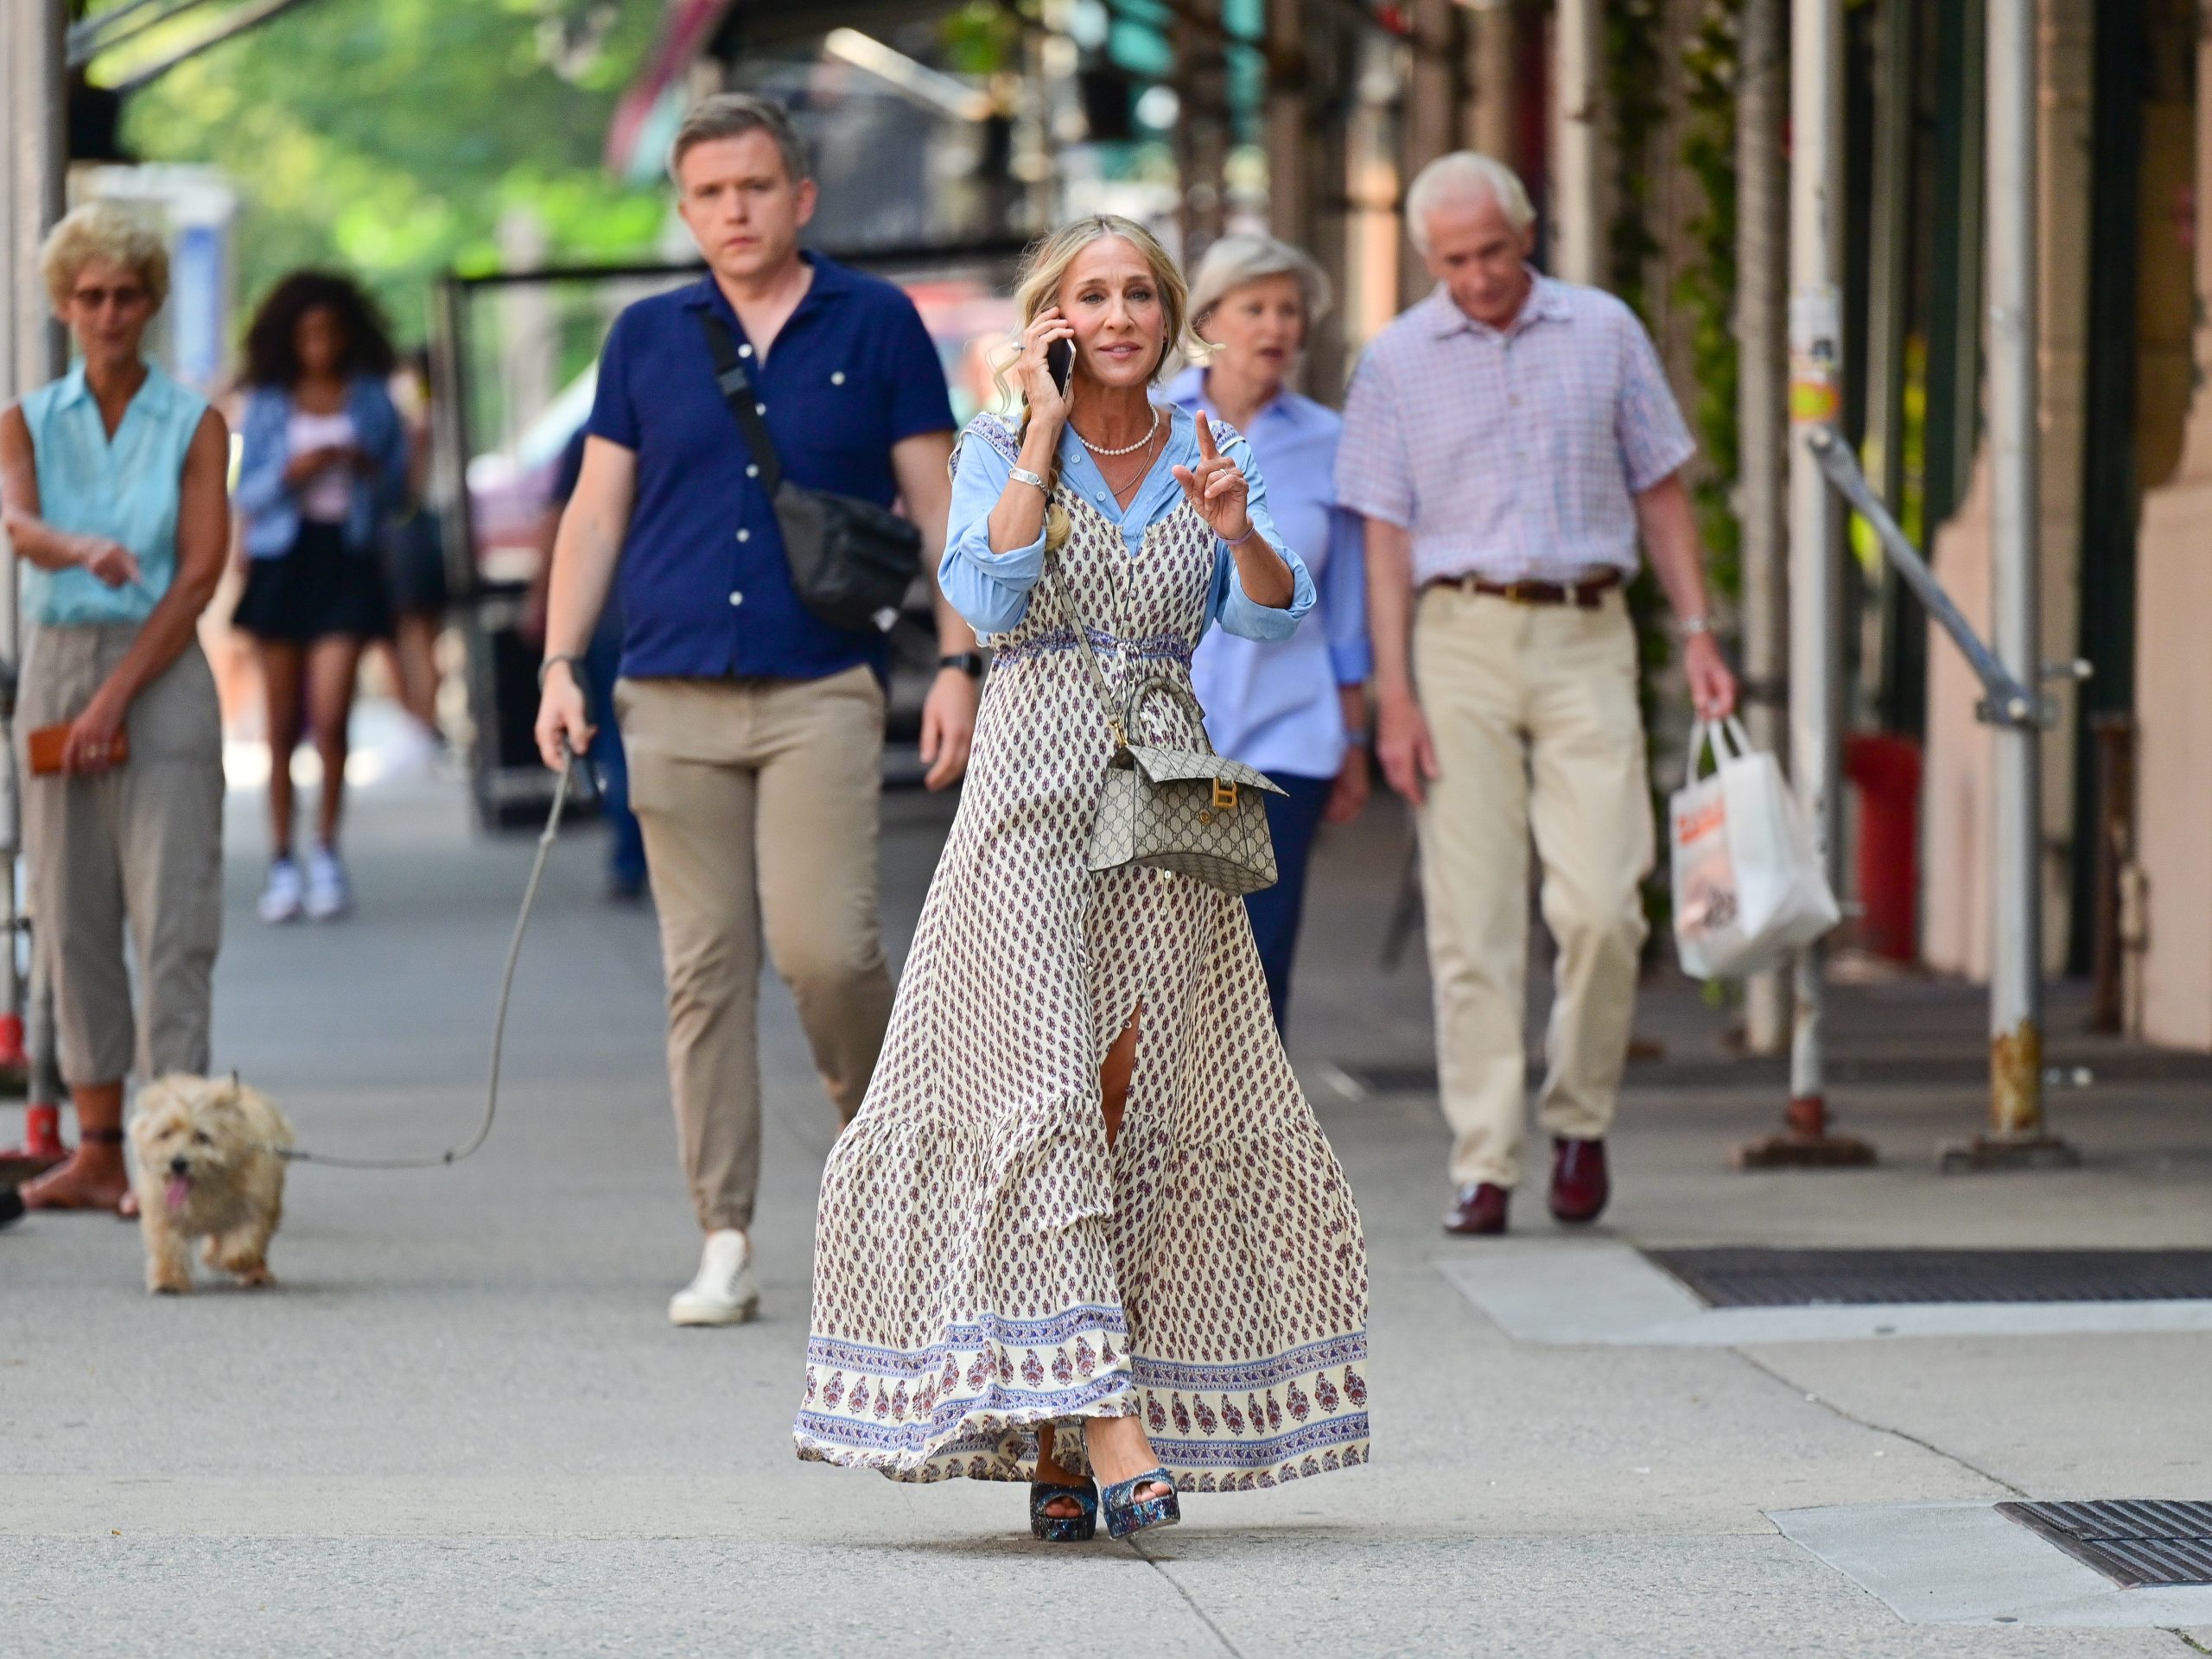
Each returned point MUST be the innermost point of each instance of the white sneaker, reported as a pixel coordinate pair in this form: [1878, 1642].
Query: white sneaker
[724, 1292]
[329, 894]
[281, 900]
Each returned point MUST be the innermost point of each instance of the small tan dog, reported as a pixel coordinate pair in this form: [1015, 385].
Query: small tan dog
[205, 1170]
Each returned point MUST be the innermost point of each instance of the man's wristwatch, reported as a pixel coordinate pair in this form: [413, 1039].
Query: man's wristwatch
[573, 659]
[969, 662]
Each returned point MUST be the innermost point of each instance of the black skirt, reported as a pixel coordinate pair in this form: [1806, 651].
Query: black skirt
[316, 590]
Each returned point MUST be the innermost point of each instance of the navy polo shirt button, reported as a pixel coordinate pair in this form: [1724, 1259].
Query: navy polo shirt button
[745, 351]
[743, 535]
[751, 471]
[838, 379]
[737, 599]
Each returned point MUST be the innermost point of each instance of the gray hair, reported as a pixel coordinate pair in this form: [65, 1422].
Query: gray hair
[103, 230]
[732, 115]
[1236, 260]
[1458, 175]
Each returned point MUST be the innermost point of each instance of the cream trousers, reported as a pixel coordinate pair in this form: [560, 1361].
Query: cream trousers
[758, 803]
[1533, 710]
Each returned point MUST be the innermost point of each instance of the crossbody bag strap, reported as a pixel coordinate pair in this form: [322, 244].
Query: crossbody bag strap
[1057, 582]
[737, 391]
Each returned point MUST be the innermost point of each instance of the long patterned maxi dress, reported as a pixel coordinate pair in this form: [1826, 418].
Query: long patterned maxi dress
[985, 1263]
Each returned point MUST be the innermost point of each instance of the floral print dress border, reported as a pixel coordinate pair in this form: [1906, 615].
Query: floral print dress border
[985, 1263]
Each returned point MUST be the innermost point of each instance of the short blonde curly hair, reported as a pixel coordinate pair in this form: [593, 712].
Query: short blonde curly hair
[103, 230]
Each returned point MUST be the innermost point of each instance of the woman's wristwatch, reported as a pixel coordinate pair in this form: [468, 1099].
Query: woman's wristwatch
[969, 662]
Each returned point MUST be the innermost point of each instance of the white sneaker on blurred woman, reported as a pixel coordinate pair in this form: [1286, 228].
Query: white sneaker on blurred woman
[284, 897]
[329, 894]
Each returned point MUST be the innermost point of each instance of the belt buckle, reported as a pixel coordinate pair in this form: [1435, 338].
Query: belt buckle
[1520, 592]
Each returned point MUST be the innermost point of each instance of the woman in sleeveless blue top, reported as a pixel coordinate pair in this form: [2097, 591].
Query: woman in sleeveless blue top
[113, 480]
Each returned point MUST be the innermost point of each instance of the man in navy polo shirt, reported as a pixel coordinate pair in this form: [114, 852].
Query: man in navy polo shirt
[754, 729]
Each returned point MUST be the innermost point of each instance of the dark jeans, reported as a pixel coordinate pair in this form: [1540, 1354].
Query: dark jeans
[1293, 819]
[625, 853]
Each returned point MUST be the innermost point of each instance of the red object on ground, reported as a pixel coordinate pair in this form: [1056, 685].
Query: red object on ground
[1885, 770]
[42, 1133]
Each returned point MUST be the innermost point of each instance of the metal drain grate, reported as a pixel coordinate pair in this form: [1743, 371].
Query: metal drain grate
[1768, 1278]
[2133, 1542]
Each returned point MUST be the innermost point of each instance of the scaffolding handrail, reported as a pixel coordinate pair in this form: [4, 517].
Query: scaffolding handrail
[2009, 703]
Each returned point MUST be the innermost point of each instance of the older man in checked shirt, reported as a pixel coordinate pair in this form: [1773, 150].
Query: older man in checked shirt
[1508, 440]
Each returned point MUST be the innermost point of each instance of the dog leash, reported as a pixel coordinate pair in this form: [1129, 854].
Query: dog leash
[454, 1155]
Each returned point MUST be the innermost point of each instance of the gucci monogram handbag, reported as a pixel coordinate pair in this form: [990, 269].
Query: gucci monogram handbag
[1189, 811]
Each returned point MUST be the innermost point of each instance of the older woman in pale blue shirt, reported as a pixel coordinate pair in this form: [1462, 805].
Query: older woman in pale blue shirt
[1296, 708]
[113, 482]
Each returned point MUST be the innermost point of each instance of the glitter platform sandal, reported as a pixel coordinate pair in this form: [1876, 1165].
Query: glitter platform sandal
[1077, 1528]
[1126, 1513]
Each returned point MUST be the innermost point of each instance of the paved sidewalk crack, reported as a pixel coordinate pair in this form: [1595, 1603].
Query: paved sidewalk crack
[2185, 1639]
[1200, 1614]
[1910, 1439]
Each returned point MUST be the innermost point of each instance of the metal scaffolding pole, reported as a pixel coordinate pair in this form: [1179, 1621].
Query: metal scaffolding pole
[1578, 245]
[33, 114]
[1816, 206]
[1762, 290]
[2016, 1134]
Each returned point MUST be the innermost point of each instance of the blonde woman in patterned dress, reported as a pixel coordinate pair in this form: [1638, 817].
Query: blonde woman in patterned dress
[1085, 1223]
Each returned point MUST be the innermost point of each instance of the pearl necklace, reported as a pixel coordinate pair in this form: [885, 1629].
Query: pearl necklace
[1150, 432]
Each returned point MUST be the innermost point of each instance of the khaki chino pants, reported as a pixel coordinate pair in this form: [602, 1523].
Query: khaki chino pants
[1533, 710]
[136, 850]
[759, 802]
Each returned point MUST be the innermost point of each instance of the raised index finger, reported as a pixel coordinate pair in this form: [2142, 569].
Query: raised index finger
[1205, 437]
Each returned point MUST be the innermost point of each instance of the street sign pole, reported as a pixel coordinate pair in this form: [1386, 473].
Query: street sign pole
[1816, 205]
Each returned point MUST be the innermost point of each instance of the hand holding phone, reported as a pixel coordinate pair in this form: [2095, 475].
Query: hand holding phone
[1046, 363]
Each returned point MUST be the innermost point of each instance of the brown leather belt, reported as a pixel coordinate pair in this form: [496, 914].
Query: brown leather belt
[1586, 594]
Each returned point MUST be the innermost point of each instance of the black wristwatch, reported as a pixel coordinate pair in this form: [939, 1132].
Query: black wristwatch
[969, 662]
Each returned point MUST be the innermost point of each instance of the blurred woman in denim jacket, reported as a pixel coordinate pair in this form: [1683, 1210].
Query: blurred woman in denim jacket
[323, 467]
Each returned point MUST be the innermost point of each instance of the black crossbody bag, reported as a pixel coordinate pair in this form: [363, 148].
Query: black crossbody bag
[851, 561]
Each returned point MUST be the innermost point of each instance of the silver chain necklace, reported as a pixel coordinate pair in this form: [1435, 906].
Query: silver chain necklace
[1150, 432]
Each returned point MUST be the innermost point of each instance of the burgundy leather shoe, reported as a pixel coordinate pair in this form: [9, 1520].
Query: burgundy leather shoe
[1580, 1185]
[1477, 1211]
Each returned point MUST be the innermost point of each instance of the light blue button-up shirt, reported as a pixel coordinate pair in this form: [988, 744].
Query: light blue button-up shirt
[1275, 705]
[992, 589]
[125, 488]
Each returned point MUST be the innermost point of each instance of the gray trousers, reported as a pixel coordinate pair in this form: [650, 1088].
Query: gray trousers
[136, 849]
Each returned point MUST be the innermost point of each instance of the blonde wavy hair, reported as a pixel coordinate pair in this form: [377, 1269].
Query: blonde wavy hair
[1037, 287]
[103, 230]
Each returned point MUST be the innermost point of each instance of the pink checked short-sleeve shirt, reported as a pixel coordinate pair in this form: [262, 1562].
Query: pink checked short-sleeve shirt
[1513, 455]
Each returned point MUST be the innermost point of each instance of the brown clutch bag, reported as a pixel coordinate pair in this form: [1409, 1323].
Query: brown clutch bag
[47, 743]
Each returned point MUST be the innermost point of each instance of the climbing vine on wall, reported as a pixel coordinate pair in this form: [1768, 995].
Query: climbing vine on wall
[1636, 79]
[1706, 286]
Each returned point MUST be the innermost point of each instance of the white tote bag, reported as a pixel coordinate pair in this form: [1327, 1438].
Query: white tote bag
[1749, 888]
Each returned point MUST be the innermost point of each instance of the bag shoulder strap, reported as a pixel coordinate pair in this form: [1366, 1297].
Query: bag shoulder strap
[737, 391]
[1057, 582]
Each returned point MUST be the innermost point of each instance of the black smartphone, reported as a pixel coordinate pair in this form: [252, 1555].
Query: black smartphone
[1060, 362]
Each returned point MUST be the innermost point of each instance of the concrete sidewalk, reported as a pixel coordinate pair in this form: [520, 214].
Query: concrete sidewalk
[461, 1425]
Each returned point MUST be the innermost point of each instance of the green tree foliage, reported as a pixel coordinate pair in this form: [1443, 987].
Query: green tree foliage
[389, 137]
